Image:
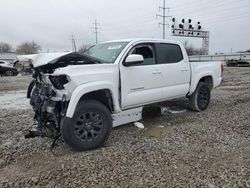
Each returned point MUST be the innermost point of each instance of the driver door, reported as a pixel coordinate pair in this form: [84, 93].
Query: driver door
[141, 84]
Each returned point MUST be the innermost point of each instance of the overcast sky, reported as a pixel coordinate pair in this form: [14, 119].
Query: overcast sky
[51, 22]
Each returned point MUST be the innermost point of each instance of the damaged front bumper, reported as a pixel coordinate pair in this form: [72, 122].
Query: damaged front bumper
[50, 106]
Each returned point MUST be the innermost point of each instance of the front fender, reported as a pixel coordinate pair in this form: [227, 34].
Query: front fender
[89, 87]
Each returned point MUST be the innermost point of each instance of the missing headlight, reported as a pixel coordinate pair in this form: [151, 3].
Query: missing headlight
[59, 81]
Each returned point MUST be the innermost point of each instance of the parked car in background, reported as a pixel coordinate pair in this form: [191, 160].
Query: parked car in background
[237, 63]
[231, 63]
[243, 64]
[7, 70]
[5, 63]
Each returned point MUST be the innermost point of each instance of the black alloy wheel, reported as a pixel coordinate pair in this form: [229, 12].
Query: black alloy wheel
[88, 126]
[200, 99]
[203, 97]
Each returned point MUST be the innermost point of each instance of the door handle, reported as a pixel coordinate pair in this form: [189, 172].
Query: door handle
[157, 72]
[184, 70]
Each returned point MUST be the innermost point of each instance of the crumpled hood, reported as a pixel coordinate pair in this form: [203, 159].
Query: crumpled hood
[42, 58]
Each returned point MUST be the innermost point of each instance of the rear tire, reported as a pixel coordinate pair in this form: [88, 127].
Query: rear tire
[89, 128]
[200, 99]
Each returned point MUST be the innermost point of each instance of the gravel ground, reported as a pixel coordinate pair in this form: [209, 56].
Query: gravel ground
[14, 83]
[14, 99]
[207, 149]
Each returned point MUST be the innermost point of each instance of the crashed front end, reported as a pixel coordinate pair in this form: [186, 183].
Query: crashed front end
[48, 96]
[49, 105]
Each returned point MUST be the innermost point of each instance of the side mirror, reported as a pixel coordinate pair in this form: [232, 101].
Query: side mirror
[133, 59]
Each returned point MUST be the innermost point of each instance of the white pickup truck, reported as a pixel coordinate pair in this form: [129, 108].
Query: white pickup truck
[82, 96]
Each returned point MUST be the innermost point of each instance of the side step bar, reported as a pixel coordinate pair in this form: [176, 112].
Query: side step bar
[127, 116]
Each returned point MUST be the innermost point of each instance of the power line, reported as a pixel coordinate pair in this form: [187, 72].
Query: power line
[199, 7]
[228, 19]
[192, 5]
[96, 28]
[196, 7]
[147, 21]
[212, 10]
[163, 16]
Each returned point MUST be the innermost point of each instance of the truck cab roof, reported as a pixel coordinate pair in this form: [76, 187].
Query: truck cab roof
[135, 40]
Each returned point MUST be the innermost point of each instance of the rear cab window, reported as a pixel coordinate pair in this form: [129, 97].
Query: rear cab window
[168, 53]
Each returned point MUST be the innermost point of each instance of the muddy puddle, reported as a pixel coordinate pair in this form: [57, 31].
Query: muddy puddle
[155, 132]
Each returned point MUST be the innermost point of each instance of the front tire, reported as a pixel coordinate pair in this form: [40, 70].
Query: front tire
[89, 128]
[200, 99]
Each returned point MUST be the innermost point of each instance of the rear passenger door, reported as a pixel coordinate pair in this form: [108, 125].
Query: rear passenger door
[175, 70]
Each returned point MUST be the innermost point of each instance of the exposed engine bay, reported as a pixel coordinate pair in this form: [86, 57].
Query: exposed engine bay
[50, 106]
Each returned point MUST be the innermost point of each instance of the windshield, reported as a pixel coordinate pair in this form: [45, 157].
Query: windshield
[107, 52]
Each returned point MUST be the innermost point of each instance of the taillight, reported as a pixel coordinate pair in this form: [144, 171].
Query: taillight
[222, 69]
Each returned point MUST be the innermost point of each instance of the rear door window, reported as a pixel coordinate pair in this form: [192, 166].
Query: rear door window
[168, 53]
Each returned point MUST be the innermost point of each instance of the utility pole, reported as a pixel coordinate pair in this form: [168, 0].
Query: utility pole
[73, 43]
[163, 16]
[96, 27]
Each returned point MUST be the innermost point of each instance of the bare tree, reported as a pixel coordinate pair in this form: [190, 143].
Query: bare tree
[5, 47]
[191, 50]
[28, 48]
[84, 47]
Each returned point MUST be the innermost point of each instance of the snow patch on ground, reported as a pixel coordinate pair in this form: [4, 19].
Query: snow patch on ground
[14, 100]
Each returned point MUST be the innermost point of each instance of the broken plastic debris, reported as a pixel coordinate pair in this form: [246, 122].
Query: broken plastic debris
[172, 110]
[139, 125]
